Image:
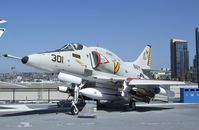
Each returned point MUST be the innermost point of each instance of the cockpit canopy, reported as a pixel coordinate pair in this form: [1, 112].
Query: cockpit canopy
[68, 47]
[71, 47]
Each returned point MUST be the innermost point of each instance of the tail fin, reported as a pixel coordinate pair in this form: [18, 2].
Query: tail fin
[144, 59]
[3, 25]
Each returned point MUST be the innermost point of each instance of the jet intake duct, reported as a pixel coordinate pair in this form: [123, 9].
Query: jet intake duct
[69, 78]
[101, 62]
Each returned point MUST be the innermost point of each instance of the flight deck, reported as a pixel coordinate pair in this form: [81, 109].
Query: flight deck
[155, 116]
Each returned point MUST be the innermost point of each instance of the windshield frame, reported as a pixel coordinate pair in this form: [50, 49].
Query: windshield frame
[66, 48]
[73, 47]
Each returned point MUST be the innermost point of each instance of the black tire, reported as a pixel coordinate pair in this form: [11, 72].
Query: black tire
[74, 111]
[132, 105]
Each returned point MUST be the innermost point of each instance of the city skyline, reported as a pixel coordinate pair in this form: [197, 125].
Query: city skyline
[179, 59]
[120, 26]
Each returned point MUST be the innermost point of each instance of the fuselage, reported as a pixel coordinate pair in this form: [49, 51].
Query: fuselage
[83, 61]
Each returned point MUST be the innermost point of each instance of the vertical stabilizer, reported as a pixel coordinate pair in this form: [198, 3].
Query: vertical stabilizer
[144, 59]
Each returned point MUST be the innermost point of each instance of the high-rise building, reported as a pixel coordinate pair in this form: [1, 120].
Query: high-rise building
[179, 59]
[193, 70]
[197, 54]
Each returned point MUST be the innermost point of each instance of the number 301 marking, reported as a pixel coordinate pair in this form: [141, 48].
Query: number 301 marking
[57, 58]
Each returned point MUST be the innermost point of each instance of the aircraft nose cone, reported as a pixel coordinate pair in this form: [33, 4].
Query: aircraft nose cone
[24, 60]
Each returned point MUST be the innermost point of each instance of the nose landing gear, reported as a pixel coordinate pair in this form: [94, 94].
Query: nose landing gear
[74, 109]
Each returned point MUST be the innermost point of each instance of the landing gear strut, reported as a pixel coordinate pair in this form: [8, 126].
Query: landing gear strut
[74, 109]
[132, 105]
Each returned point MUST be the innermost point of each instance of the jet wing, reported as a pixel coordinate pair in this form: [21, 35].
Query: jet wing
[153, 82]
[107, 78]
[150, 86]
[137, 82]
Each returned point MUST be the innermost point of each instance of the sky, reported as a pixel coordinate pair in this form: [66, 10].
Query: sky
[122, 26]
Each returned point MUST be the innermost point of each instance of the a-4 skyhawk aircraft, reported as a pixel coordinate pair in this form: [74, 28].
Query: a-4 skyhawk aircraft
[99, 74]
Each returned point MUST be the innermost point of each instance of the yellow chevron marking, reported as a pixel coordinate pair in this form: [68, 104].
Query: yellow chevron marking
[116, 67]
[149, 57]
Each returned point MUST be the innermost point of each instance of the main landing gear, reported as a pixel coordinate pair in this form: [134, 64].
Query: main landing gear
[132, 105]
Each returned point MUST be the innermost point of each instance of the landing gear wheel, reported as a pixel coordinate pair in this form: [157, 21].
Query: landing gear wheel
[74, 110]
[132, 105]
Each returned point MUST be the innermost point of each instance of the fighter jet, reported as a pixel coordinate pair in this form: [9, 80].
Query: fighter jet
[3, 25]
[99, 74]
